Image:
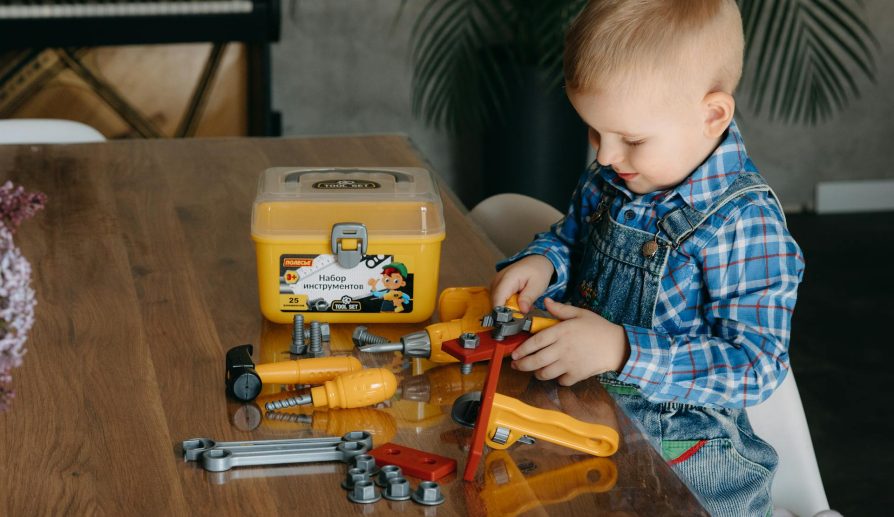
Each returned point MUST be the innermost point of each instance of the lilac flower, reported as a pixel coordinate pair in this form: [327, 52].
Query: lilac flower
[16, 204]
[17, 299]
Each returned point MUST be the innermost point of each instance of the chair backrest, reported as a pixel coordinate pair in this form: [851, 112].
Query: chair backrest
[511, 220]
[780, 421]
[47, 131]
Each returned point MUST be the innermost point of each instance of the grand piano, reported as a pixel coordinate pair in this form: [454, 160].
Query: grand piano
[33, 25]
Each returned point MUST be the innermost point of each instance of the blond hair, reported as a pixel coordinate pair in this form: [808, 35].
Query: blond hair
[684, 39]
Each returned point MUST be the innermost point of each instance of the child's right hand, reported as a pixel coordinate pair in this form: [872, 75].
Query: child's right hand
[529, 277]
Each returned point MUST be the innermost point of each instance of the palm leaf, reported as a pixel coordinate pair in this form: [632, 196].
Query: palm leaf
[457, 82]
[801, 57]
[467, 53]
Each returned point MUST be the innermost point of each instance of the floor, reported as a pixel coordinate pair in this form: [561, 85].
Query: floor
[842, 354]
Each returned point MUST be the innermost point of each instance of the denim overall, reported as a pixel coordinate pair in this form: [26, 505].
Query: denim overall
[714, 450]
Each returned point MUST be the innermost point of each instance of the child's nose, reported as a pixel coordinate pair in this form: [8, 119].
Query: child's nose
[609, 154]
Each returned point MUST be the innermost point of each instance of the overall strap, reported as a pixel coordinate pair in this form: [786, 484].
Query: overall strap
[680, 223]
[608, 193]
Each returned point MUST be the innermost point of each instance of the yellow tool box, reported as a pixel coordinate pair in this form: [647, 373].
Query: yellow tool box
[348, 244]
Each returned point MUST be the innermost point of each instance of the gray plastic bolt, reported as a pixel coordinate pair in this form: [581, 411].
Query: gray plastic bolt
[465, 368]
[298, 400]
[324, 331]
[298, 347]
[291, 418]
[388, 472]
[398, 489]
[367, 463]
[354, 476]
[362, 336]
[364, 492]
[316, 340]
[428, 493]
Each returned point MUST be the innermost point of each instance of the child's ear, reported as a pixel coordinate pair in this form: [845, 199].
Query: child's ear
[718, 109]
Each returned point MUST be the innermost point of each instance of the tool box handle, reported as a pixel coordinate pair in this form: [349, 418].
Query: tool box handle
[399, 177]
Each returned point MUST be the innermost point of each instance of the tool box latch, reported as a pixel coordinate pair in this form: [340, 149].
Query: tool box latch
[348, 243]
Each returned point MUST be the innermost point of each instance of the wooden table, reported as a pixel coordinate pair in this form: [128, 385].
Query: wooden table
[145, 276]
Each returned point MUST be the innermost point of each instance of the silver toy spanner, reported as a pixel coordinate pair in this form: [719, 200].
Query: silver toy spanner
[221, 456]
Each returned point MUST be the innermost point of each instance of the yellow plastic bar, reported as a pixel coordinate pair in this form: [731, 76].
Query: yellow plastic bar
[538, 323]
[307, 371]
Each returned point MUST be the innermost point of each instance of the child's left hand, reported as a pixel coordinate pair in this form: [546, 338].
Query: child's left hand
[583, 344]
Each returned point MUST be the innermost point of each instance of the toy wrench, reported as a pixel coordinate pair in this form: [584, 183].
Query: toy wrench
[512, 420]
[222, 456]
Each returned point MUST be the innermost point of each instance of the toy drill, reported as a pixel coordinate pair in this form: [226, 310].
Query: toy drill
[460, 310]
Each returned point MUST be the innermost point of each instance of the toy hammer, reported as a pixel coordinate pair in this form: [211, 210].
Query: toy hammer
[244, 379]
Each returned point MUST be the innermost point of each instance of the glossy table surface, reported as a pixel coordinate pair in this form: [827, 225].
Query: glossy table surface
[145, 276]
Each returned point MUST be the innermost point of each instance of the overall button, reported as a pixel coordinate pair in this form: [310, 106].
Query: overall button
[629, 214]
[649, 249]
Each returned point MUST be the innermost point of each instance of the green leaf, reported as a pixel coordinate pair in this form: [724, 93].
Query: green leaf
[801, 54]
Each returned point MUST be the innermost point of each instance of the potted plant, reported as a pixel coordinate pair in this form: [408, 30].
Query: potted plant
[478, 65]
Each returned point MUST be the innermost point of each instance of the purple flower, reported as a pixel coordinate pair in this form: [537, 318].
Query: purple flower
[16, 204]
[16, 296]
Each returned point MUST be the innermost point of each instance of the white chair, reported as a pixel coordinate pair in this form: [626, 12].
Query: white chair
[511, 220]
[47, 131]
[798, 487]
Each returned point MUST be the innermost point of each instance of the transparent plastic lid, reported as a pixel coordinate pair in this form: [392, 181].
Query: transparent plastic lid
[306, 201]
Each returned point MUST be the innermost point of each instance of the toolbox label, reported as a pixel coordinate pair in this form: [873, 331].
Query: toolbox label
[317, 283]
[346, 185]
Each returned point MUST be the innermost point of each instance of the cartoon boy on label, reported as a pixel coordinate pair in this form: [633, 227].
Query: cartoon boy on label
[394, 276]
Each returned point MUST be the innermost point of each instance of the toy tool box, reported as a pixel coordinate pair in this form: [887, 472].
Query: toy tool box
[347, 244]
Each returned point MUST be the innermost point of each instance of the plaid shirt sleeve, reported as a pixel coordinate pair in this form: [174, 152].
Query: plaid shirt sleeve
[561, 244]
[751, 269]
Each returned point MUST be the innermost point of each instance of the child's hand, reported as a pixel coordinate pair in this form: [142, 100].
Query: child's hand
[529, 277]
[583, 344]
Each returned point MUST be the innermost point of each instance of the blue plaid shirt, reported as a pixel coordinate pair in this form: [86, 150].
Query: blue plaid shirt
[722, 321]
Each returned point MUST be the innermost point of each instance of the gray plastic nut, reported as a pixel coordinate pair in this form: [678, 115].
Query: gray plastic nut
[364, 492]
[469, 340]
[354, 476]
[387, 472]
[367, 463]
[398, 489]
[428, 493]
[503, 314]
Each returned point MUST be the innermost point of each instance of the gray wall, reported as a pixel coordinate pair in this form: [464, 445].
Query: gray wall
[342, 67]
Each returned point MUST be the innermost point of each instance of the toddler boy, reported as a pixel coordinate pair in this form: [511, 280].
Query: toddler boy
[674, 254]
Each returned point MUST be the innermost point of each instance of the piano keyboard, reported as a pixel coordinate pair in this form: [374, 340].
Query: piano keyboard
[103, 9]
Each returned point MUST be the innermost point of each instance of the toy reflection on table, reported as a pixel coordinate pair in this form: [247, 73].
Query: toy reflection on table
[511, 488]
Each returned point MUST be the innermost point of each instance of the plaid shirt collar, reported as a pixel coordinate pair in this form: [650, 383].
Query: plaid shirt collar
[707, 182]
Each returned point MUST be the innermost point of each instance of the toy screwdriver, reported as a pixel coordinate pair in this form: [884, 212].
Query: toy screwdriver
[461, 310]
[244, 379]
[356, 389]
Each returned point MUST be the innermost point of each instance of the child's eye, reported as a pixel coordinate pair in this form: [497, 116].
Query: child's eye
[634, 143]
